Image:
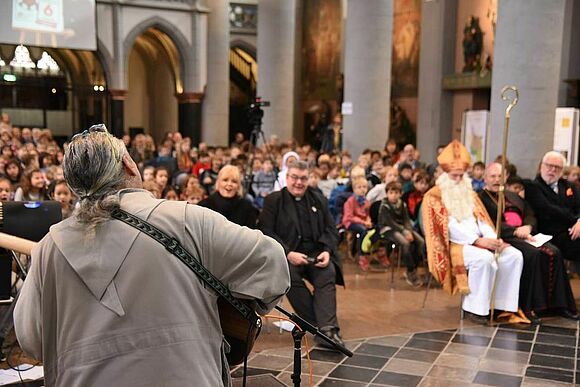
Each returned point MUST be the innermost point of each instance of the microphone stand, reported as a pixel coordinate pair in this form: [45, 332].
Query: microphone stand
[298, 334]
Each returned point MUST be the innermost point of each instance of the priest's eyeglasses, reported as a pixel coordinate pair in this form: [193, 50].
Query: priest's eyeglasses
[303, 179]
[553, 166]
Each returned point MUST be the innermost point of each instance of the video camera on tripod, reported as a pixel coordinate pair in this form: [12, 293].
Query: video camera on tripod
[256, 113]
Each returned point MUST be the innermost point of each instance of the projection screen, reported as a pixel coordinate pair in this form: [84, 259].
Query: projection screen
[49, 23]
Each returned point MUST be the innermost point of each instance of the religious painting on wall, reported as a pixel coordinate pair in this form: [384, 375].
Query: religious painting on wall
[321, 77]
[406, 44]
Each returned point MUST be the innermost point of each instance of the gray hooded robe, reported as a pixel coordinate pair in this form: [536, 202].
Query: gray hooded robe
[117, 309]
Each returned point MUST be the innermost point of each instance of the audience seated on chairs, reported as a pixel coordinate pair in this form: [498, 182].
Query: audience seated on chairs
[356, 218]
[556, 203]
[395, 225]
[544, 285]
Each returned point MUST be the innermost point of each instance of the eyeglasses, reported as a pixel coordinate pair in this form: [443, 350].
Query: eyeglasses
[98, 128]
[552, 166]
[302, 179]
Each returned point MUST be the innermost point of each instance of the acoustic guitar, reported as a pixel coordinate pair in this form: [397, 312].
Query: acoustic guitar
[240, 332]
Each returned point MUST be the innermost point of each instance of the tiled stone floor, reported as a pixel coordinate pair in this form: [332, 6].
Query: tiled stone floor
[502, 355]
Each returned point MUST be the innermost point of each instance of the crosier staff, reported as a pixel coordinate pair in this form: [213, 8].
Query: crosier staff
[501, 194]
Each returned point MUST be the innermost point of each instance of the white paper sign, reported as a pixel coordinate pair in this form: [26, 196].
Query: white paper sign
[474, 133]
[346, 108]
[566, 133]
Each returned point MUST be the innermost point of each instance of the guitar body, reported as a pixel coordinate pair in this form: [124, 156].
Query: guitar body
[239, 332]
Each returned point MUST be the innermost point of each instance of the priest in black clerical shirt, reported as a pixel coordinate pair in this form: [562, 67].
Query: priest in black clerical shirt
[299, 219]
[544, 285]
[556, 203]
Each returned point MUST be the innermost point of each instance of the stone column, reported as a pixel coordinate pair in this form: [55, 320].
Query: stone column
[277, 69]
[118, 97]
[367, 73]
[216, 103]
[435, 114]
[528, 54]
[189, 116]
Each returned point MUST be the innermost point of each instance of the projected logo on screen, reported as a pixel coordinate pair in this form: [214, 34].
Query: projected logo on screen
[38, 15]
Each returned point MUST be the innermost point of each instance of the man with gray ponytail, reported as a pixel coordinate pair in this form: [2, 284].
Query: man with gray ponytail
[106, 305]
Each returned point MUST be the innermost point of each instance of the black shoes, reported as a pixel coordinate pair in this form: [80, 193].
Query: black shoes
[569, 315]
[333, 334]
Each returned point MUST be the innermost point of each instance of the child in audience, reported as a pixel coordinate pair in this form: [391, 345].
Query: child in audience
[171, 194]
[59, 191]
[6, 190]
[515, 184]
[194, 196]
[161, 178]
[414, 198]
[406, 177]
[313, 179]
[32, 187]
[13, 171]
[395, 225]
[153, 187]
[149, 173]
[263, 182]
[477, 176]
[356, 217]
[378, 191]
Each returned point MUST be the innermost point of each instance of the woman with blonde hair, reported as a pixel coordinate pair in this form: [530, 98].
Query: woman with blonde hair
[228, 198]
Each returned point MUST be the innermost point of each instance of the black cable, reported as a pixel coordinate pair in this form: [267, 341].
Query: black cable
[246, 354]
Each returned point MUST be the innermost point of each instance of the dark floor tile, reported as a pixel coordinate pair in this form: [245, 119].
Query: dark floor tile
[328, 356]
[376, 350]
[428, 345]
[554, 350]
[366, 361]
[355, 374]
[340, 383]
[395, 379]
[550, 374]
[238, 373]
[552, 361]
[522, 346]
[568, 341]
[519, 327]
[492, 379]
[481, 341]
[558, 330]
[437, 336]
[514, 335]
[413, 354]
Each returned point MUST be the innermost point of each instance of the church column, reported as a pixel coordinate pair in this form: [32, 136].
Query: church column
[216, 102]
[189, 116]
[435, 105]
[528, 54]
[367, 74]
[118, 97]
[277, 68]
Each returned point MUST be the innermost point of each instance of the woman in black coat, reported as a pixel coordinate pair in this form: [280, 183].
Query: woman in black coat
[228, 199]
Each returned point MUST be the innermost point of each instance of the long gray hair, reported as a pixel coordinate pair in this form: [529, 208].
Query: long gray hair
[93, 169]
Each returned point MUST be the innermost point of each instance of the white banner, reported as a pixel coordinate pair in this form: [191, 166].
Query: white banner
[474, 133]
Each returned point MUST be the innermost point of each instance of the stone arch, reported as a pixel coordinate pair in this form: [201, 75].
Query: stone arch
[247, 47]
[180, 41]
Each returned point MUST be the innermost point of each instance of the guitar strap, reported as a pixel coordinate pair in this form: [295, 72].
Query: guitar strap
[174, 247]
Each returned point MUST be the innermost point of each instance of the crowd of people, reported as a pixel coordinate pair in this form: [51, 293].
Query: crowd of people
[375, 198]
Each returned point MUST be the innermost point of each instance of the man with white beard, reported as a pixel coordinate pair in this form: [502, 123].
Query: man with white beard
[460, 239]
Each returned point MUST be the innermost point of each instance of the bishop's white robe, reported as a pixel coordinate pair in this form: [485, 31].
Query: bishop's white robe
[482, 268]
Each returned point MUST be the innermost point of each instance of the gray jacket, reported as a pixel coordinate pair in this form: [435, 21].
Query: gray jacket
[116, 309]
